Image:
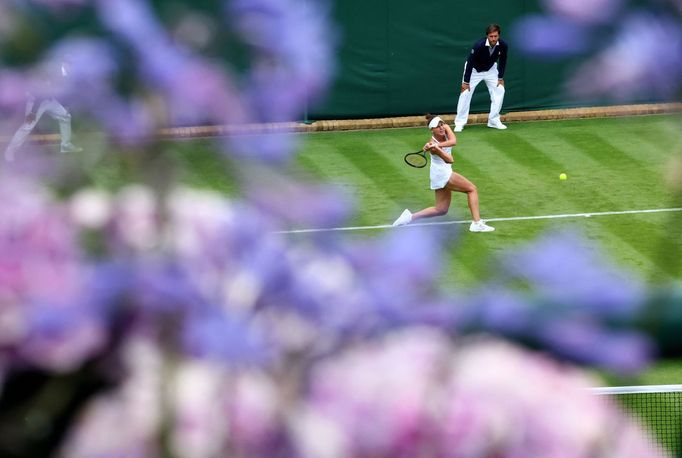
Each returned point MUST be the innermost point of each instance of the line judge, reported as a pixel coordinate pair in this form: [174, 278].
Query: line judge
[486, 62]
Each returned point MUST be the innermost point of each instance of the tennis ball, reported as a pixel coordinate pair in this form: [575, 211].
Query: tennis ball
[562, 176]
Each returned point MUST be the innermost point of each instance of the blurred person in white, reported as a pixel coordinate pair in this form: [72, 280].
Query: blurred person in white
[486, 62]
[45, 103]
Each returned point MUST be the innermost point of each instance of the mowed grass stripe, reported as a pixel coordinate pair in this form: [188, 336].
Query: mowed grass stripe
[523, 152]
[588, 177]
[630, 179]
[604, 152]
[499, 180]
[643, 233]
[537, 173]
[602, 203]
[614, 171]
[668, 248]
[386, 175]
[340, 171]
[634, 136]
[663, 135]
[622, 248]
[537, 191]
[494, 194]
[641, 150]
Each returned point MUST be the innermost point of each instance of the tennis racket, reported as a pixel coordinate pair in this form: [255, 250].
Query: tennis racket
[416, 159]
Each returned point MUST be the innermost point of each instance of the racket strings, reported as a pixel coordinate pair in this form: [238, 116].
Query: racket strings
[416, 159]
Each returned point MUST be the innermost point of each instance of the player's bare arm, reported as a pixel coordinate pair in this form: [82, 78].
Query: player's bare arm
[437, 150]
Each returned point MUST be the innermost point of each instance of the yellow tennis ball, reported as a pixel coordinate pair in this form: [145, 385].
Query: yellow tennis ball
[562, 176]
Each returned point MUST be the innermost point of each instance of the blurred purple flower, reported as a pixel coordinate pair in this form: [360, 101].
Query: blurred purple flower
[291, 63]
[500, 400]
[199, 400]
[194, 90]
[13, 89]
[574, 304]
[478, 398]
[165, 288]
[293, 41]
[563, 268]
[270, 148]
[586, 11]
[36, 241]
[291, 67]
[553, 37]
[630, 66]
[80, 73]
[194, 285]
[397, 274]
[349, 290]
[367, 402]
[124, 421]
[308, 205]
[568, 333]
[619, 351]
[212, 334]
[61, 336]
[628, 63]
[46, 319]
[499, 311]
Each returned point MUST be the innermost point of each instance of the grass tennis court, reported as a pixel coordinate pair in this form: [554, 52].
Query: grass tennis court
[613, 165]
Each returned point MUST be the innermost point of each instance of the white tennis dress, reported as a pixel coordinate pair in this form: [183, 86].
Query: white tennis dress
[440, 170]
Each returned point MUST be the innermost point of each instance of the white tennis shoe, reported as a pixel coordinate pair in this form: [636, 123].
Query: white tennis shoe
[497, 125]
[70, 148]
[480, 226]
[404, 218]
[458, 128]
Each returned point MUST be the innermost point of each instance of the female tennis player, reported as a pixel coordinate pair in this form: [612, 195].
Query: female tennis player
[444, 181]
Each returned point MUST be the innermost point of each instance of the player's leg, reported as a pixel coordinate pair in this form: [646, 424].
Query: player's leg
[57, 111]
[496, 91]
[441, 207]
[459, 183]
[464, 101]
[22, 134]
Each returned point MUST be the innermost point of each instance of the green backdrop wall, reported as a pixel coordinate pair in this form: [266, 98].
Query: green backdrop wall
[406, 57]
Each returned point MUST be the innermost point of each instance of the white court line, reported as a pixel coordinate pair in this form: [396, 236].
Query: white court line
[513, 218]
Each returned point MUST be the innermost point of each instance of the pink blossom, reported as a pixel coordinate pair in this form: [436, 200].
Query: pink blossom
[416, 394]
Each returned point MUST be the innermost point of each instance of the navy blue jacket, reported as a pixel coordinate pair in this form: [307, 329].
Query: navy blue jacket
[481, 59]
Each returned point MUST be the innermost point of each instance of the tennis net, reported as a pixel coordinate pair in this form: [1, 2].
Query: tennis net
[658, 408]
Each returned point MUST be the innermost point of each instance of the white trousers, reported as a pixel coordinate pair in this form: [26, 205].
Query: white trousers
[496, 96]
[56, 111]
